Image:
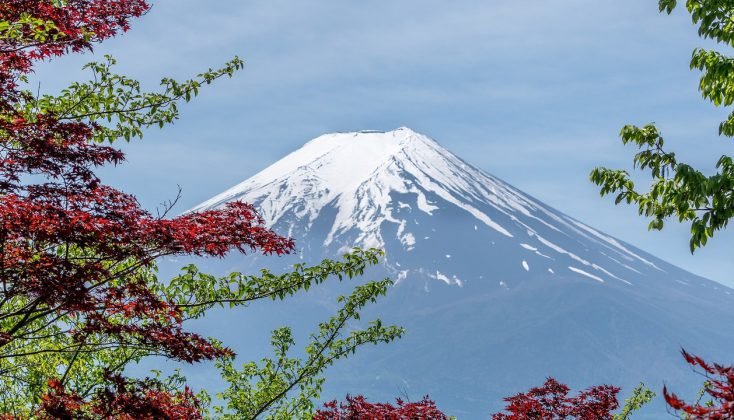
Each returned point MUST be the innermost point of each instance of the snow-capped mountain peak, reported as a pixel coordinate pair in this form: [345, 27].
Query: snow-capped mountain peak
[358, 184]
[340, 161]
[341, 167]
[357, 172]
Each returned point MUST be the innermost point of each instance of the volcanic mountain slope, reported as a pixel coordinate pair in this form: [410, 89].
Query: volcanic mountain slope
[497, 289]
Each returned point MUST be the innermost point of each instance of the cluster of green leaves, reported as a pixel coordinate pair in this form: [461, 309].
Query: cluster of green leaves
[284, 386]
[118, 104]
[197, 292]
[641, 395]
[262, 390]
[700, 397]
[677, 189]
[713, 17]
[29, 29]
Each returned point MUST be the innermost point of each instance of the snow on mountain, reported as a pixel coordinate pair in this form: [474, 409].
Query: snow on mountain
[358, 174]
[497, 289]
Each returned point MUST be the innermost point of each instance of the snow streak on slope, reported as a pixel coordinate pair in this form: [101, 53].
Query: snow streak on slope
[357, 174]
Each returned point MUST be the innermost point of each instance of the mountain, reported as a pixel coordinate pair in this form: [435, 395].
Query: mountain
[497, 290]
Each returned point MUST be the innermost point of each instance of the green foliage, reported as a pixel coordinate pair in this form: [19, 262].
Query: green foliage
[29, 29]
[677, 189]
[119, 105]
[705, 388]
[641, 395]
[264, 390]
[198, 292]
[713, 18]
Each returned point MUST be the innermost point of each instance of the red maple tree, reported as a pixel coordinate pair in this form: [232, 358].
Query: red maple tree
[71, 246]
[720, 387]
[122, 399]
[551, 401]
[358, 408]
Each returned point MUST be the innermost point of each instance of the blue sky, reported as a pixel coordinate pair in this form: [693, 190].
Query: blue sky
[532, 91]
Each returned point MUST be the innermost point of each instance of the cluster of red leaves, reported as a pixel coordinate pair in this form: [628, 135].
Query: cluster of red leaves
[551, 401]
[720, 389]
[357, 408]
[120, 399]
[70, 245]
[78, 24]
